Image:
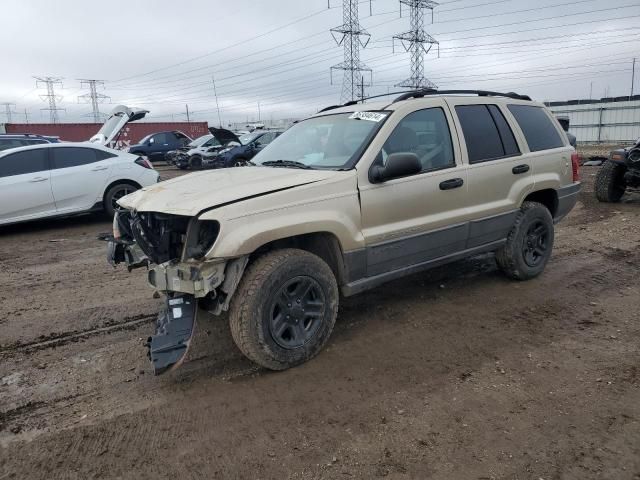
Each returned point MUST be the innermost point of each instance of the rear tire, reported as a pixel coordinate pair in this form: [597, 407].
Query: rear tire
[610, 185]
[529, 243]
[115, 193]
[284, 309]
[240, 162]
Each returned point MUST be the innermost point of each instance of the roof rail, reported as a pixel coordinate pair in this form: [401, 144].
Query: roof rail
[480, 93]
[330, 107]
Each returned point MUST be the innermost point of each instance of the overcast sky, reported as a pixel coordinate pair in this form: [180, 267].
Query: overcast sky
[162, 54]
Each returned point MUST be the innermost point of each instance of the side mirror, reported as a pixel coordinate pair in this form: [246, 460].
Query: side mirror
[398, 165]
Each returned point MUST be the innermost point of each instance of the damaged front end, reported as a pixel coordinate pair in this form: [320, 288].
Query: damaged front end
[176, 245]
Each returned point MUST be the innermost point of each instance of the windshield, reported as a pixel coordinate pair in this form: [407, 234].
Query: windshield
[200, 140]
[212, 142]
[249, 137]
[330, 141]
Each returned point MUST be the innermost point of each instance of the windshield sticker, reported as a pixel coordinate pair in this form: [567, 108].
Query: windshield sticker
[371, 116]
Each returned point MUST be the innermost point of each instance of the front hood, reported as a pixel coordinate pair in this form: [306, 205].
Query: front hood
[223, 135]
[191, 194]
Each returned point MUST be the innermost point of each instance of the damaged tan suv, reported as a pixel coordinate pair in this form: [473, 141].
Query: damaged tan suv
[344, 201]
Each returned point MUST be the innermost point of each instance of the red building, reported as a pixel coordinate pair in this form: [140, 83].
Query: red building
[131, 134]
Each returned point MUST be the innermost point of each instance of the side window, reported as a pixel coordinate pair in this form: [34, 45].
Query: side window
[102, 155]
[425, 133]
[20, 163]
[66, 157]
[33, 142]
[6, 143]
[481, 133]
[160, 139]
[506, 134]
[537, 127]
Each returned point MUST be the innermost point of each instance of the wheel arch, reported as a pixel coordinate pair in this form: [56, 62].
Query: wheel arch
[124, 181]
[547, 197]
[325, 245]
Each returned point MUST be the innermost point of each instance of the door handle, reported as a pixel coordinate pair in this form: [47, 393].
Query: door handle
[524, 168]
[97, 169]
[451, 184]
[38, 179]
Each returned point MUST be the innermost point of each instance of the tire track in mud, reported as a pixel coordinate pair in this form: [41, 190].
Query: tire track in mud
[58, 339]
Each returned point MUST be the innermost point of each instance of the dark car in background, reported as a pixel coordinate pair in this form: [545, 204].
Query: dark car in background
[172, 155]
[222, 140]
[183, 157]
[156, 145]
[14, 140]
[247, 147]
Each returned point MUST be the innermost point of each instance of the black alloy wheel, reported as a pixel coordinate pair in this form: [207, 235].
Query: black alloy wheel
[535, 243]
[296, 312]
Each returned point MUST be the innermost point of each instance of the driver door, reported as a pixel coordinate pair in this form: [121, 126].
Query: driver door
[415, 219]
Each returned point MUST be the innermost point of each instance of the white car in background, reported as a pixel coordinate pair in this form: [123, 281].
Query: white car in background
[59, 179]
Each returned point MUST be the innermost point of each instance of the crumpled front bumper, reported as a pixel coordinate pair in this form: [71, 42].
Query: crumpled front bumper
[198, 279]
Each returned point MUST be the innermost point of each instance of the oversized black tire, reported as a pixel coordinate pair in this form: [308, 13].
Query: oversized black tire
[529, 243]
[610, 185]
[284, 309]
[115, 193]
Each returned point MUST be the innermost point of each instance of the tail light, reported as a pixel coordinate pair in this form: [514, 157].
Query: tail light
[575, 165]
[143, 162]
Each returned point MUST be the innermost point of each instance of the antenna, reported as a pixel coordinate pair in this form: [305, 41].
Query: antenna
[351, 36]
[94, 97]
[51, 97]
[418, 42]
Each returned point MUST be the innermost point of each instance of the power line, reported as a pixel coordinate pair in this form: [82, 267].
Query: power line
[351, 36]
[417, 41]
[7, 110]
[50, 96]
[94, 97]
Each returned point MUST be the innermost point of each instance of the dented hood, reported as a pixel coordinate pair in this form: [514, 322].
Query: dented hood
[191, 194]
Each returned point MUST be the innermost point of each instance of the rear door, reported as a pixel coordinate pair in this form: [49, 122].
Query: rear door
[499, 173]
[25, 186]
[79, 176]
[549, 149]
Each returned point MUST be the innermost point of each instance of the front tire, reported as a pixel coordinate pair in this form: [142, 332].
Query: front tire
[284, 308]
[115, 193]
[529, 243]
[610, 185]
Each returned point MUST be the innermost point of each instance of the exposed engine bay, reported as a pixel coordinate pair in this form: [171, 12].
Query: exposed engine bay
[176, 245]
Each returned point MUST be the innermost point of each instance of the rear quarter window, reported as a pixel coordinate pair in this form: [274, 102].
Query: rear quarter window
[538, 129]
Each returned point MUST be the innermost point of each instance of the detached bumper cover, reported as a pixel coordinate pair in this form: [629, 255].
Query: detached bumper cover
[174, 330]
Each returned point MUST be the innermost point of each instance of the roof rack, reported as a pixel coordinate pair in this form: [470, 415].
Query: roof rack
[430, 91]
[480, 93]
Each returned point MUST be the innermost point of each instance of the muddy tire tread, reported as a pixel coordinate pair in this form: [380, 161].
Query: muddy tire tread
[507, 257]
[244, 305]
[605, 183]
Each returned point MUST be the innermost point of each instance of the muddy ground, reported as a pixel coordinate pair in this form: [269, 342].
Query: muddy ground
[457, 373]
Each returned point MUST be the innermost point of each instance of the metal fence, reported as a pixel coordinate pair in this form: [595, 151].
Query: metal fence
[608, 120]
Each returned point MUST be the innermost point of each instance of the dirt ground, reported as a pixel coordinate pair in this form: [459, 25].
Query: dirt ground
[456, 373]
